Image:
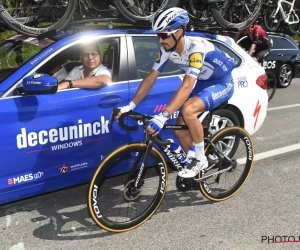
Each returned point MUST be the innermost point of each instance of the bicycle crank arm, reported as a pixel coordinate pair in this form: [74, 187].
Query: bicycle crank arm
[212, 175]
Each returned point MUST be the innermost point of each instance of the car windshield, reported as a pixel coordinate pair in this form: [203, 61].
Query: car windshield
[17, 50]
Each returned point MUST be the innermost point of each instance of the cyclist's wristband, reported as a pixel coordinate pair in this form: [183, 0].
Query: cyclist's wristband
[132, 105]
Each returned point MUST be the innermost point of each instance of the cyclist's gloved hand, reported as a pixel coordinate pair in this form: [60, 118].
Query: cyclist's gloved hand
[127, 108]
[157, 122]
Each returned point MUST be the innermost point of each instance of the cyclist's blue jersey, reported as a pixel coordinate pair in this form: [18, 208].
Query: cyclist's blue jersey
[199, 58]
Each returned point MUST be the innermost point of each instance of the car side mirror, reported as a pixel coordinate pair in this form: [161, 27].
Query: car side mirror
[39, 84]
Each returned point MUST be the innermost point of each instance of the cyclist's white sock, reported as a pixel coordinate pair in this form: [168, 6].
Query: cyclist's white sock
[199, 151]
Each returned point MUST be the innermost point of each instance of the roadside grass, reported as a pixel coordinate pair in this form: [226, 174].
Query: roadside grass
[7, 34]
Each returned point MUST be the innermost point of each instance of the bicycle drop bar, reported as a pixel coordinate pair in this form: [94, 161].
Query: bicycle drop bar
[145, 119]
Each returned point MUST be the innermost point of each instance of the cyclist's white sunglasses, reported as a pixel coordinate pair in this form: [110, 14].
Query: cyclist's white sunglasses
[165, 35]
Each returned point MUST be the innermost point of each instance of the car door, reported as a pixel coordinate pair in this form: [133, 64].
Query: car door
[145, 49]
[282, 51]
[55, 141]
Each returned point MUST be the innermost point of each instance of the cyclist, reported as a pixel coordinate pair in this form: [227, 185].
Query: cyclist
[207, 82]
[257, 39]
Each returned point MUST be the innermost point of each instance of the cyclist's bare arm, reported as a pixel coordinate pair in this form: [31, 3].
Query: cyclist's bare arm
[181, 94]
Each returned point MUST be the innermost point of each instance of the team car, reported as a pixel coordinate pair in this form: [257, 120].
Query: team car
[283, 60]
[52, 139]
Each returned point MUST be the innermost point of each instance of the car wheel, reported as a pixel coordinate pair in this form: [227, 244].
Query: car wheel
[285, 76]
[227, 119]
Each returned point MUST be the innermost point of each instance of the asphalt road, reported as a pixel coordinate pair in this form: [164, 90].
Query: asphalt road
[265, 210]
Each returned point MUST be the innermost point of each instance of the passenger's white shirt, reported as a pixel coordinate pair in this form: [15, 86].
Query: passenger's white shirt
[61, 74]
[77, 72]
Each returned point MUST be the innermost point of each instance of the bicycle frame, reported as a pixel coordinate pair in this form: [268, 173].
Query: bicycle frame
[175, 164]
[285, 16]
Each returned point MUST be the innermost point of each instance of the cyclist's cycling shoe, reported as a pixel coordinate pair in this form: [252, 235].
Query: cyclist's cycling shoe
[193, 168]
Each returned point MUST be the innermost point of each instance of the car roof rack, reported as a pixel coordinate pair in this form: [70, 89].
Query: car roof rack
[276, 33]
[122, 23]
[110, 23]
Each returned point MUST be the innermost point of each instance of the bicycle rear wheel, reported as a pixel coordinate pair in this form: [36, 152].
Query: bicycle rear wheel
[236, 14]
[141, 10]
[295, 28]
[237, 144]
[113, 202]
[272, 84]
[271, 22]
[33, 18]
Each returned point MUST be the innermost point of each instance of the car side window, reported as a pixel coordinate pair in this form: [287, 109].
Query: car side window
[237, 60]
[276, 43]
[286, 44]
[146, 49]
[70, 57]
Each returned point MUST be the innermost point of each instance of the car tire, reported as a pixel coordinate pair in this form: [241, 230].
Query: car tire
[272, 84]
[285, 76]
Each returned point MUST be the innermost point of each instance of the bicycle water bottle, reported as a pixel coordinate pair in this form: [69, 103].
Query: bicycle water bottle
[179, 153]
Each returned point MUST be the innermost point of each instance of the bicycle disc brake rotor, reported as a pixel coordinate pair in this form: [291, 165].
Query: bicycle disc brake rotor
[129, 193]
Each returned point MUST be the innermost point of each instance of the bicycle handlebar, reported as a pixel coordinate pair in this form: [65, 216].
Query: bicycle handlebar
[135, 116]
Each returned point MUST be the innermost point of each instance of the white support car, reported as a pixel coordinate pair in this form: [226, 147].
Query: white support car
[250, 99]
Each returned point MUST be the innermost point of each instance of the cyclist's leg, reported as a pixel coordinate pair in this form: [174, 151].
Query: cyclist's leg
[183, 136]
[205, 100]
[261, 53]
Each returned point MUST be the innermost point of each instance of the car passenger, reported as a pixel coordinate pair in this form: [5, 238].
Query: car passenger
[257, 39]
[91, 74]
[207, 82]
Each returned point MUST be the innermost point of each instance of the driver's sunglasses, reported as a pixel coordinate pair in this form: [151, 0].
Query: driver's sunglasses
[165, 35]
[92, 54]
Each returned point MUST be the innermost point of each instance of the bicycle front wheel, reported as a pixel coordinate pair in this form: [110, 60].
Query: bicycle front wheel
[271, 21]
[33, 18]
[236, 14]
[115, 202]
[236, 143]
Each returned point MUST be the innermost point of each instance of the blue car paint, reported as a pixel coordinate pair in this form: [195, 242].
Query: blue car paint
[32, 166]
[31, 121]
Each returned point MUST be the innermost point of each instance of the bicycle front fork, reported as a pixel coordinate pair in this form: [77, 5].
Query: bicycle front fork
[138, 180]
